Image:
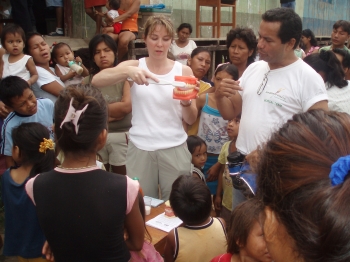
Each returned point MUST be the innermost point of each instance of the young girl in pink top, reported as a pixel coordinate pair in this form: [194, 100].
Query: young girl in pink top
[82, 209]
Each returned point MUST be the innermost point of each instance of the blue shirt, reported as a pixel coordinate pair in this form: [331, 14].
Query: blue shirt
[23, 235]
[44, 116]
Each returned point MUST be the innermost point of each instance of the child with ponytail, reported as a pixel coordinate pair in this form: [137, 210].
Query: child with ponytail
[82, 209]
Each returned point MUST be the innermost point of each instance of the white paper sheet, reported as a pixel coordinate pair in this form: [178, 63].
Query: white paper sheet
[164, 223]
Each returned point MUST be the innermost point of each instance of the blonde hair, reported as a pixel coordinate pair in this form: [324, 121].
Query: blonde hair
[156, 20]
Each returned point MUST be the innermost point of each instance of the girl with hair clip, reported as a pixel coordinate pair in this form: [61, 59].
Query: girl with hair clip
[33, 152]
[327, 65]
[157, 150]
[82, 209]
[303, 183]
[245, 238]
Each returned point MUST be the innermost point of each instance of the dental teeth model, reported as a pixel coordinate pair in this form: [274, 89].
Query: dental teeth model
[188, 91]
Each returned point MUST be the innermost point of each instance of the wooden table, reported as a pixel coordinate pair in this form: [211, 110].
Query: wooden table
[158, 236]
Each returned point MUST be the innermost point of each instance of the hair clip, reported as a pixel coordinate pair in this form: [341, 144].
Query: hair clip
[340, 170]
[45, 145]
[73, 115]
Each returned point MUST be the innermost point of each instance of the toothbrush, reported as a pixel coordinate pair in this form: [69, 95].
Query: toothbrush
[181, 85]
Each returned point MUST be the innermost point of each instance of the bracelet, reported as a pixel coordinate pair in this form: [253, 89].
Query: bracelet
[187, 105]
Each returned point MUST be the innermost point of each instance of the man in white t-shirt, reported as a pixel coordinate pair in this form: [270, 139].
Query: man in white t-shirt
[272, 90]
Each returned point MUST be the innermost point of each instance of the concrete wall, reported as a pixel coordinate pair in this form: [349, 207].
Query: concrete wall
[248, 13]
[318, 15]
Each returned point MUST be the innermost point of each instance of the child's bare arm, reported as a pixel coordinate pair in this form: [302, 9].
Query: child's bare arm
[65, 77]
[135, 227]
[33, 72]
[100, 13]
[219, 192]
[85, 70]
[169, 249]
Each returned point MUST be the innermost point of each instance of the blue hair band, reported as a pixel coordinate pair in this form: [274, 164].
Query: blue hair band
[340, 170]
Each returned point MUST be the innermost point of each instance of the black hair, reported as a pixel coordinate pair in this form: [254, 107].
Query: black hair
[247, 36]
[11, 87]
[242, 220]
[291, 25]
[12, 29]
[193, 142]
[114, 4]
[346, 56]
[184, 25]
[94, 42]
[84, 54]
[143, 214]
[231, 69]
[308, 33]
[345, 25]
[91, 122]
[190, 200]
[198, 50]
[29, 36]
[327, 62]
[56, 48]
[28, 137]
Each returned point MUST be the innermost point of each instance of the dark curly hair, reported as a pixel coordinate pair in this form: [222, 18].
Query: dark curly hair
[247, 35]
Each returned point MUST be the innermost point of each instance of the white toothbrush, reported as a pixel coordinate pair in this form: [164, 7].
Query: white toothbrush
[179, 84]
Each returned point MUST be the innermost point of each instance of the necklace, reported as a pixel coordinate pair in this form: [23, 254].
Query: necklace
[76, 168]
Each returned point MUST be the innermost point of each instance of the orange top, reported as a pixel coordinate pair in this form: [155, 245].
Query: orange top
[129, 23]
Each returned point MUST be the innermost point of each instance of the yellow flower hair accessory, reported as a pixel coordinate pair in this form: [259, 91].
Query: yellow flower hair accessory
[45, 145]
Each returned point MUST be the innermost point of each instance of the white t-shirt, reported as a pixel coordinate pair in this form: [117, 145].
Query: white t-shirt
[45, 78]
[182, 54]
[289, 90]
[339, 98]
[18, 68]
[156, 116]
[113, 14]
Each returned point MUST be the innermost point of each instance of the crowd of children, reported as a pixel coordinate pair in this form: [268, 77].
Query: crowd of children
[67, 208]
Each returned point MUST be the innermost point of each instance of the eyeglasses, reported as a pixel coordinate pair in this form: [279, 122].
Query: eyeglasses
[263, 84]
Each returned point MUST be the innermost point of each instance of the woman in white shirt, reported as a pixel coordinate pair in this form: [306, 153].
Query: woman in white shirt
[182, 47]
[328, 66]
[157, 149]
[48, 84]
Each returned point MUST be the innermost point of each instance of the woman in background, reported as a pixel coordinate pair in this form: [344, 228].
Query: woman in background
[309, 42]
[182, 47]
